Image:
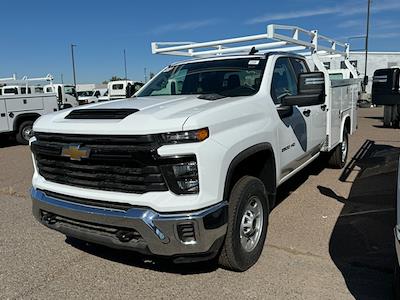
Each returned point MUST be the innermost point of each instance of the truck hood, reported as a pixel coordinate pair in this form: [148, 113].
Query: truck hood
[155, 115]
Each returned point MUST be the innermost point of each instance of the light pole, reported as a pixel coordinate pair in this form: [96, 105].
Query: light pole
[366, 48]
[126, 72]
[73, 63]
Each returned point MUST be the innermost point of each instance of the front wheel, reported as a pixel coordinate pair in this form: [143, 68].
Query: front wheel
[338, 156]
[247, 225]
[25, 132]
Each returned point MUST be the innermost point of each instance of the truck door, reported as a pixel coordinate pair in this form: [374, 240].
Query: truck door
[316, 114]
[3, 117]
[294, 128]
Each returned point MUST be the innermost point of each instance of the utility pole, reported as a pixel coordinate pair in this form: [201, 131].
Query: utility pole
[145, 75]
[366, 48]
[62, 78]
[126, 73]
[73, 63]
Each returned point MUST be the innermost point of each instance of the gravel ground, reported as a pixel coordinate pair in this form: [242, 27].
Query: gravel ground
[328, 239]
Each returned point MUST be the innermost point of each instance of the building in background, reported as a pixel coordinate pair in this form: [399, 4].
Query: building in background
[376, 60]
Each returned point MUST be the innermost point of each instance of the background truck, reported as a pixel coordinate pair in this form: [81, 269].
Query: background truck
[21, 104]
[93, 96]
[120, 89]
[66, 94]
[189, 167]
[386, 91]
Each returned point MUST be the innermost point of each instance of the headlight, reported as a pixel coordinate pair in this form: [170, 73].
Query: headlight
[182, 176]
[185, 136]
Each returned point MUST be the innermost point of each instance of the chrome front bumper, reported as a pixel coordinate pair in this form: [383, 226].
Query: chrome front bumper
[139, 229]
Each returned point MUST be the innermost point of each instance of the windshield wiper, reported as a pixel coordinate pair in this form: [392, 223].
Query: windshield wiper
[211, 97]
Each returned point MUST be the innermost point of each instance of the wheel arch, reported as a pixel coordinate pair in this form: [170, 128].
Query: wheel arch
[248, 162]
[346, 124]
[19, 119]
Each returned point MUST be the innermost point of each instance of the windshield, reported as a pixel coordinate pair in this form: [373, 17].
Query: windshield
[226, 77]
[85, 93]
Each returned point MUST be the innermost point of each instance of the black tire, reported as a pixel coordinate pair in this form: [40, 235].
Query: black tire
[396, 281]
[387, 115]
[337, 158]
[233, 255]
[22, 137]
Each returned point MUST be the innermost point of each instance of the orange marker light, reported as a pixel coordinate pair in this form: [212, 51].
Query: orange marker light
[202, 134]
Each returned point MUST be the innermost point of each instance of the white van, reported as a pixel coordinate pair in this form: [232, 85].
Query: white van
[117, 89]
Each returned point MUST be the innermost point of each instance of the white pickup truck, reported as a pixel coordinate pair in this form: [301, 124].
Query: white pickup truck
[21, 104]
[189, 167]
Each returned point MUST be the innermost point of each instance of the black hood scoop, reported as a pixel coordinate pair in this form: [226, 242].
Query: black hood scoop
[100, 114]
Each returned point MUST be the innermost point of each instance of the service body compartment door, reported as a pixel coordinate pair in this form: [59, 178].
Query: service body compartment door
[318, 117]
[335, 116]
[3, 117]
[24, 103]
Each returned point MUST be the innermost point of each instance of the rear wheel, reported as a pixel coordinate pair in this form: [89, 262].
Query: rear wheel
[25, 132]
[247, 225]
[338, 157]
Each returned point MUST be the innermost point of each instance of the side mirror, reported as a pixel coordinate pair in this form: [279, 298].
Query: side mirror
[310, 90]
[385, 87]
[129, 91]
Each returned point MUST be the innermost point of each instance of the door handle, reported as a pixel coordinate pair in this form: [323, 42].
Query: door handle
[323, 107]
[2, 115]
[307, 112]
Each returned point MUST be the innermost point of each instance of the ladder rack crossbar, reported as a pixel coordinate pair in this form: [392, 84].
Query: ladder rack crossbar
[276, 36]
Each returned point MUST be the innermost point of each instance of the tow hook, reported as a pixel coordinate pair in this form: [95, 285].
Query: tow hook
[49, 219]
[125, 236]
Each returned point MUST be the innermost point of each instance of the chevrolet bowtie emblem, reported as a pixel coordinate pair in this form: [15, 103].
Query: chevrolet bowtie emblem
[75, 152]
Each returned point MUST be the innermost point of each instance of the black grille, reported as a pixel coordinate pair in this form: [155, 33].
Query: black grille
[116, 163]
[98, 114]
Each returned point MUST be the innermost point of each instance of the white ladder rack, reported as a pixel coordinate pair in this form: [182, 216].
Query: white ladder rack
[25, 80]
[277, 38]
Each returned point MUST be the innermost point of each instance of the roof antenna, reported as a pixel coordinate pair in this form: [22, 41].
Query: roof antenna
[253, 51]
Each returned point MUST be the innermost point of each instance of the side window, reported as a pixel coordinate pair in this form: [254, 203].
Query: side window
[118, 86]
[283, 80]
[299, 66]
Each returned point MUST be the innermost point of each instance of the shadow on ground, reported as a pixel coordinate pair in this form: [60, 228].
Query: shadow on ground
[314, 169]
[7, 141]
[130, 258]
[362, 242]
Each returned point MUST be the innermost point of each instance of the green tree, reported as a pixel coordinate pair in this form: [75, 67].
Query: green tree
[113, 78]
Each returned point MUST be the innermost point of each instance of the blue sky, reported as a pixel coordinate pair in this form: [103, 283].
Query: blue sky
[36, 34]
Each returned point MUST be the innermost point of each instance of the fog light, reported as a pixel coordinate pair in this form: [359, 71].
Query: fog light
[186, 233]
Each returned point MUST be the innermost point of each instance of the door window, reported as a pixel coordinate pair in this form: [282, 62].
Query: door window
[283, 80]
[299, 66]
